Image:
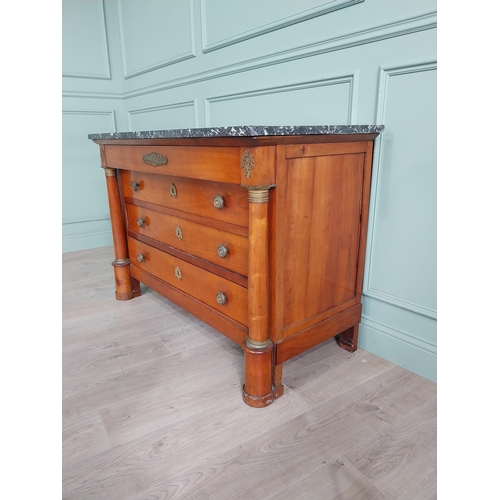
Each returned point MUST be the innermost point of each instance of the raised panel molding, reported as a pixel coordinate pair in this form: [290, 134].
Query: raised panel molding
[362, 37]
[369, 289]
[77, 35]
[350, 102]
[188, 118]
[85, 223]
[262, 29]
[150, 38]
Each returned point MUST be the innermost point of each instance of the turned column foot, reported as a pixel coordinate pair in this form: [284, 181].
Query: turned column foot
[258, 390]
[126, 287]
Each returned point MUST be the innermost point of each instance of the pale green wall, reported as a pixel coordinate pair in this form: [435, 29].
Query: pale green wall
[148, 64]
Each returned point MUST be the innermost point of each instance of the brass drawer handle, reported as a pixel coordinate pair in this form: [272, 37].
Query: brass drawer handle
[141, 222]
[155, 159]
[222, 251]
[134, 186]
[218, 202]
[178, 273]
[173, 190]
[221, 298]
[141, 257]
[178, 232]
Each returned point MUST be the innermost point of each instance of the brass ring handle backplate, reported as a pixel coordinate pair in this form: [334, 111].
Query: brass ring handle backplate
[141, 222]
[218, 202]
[221, 298]
[134, 186]
[141, 258]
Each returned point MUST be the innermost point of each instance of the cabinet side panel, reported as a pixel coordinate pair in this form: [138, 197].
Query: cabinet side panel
[321, 234]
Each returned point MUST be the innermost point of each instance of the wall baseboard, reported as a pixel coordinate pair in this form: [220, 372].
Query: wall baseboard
[86, 241]
[398, 348]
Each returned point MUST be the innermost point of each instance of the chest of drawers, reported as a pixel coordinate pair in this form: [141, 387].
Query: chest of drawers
[258, 231]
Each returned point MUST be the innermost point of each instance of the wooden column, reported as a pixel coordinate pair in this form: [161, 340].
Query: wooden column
[126, 287]
[258, 390]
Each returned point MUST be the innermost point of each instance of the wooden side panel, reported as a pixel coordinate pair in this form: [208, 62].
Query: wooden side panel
[321, 226]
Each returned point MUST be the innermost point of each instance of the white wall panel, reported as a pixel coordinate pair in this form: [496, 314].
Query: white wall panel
[84, 198]
[226, 22]
[406, 196]
[155, 34]
[286, 105]
[84, 40]
[178, 115]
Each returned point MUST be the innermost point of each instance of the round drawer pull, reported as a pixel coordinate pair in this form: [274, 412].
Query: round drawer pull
[173, 190]
[222, 251]
[141, 257]
[141, 222]
[221, 298]
[218, 202]
[178, 273]
[134, 186]
[178, 232]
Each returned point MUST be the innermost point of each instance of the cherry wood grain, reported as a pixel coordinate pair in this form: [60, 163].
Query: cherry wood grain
[322, 217]
[349, 425]
[194, 281]
[306, 150]
[193, 238]
[263, 172]
[291, 346]
[196, 261]
[221, 322]
[207, 163]
[126, 288]
[193, 196]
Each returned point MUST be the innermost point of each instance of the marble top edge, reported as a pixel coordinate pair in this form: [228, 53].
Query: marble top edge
[242, 131]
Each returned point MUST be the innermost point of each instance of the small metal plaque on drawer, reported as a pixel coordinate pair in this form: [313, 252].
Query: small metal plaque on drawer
[155, 159]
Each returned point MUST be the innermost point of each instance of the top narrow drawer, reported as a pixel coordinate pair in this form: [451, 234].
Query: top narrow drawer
[207, 163]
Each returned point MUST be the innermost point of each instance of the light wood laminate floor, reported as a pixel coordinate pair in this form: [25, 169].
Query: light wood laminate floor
[152, 409]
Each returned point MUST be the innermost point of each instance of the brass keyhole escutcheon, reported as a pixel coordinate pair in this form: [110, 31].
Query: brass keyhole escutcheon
[141, 258]
[178, 232]
[218, 202]
[173, 190]
[221, 298]
[178, 273]
[222, 251]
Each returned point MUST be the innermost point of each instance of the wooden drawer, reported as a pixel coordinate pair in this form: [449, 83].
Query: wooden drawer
[199, 240]
[197, 282]
[188, 195]
[196, 162]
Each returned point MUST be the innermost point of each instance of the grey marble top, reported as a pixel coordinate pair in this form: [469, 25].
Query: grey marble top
[243, 131]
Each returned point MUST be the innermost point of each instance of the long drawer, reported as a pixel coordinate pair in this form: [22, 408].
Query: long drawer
[216, 200]
[223, 295]
[206, 163]
[219, 247]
